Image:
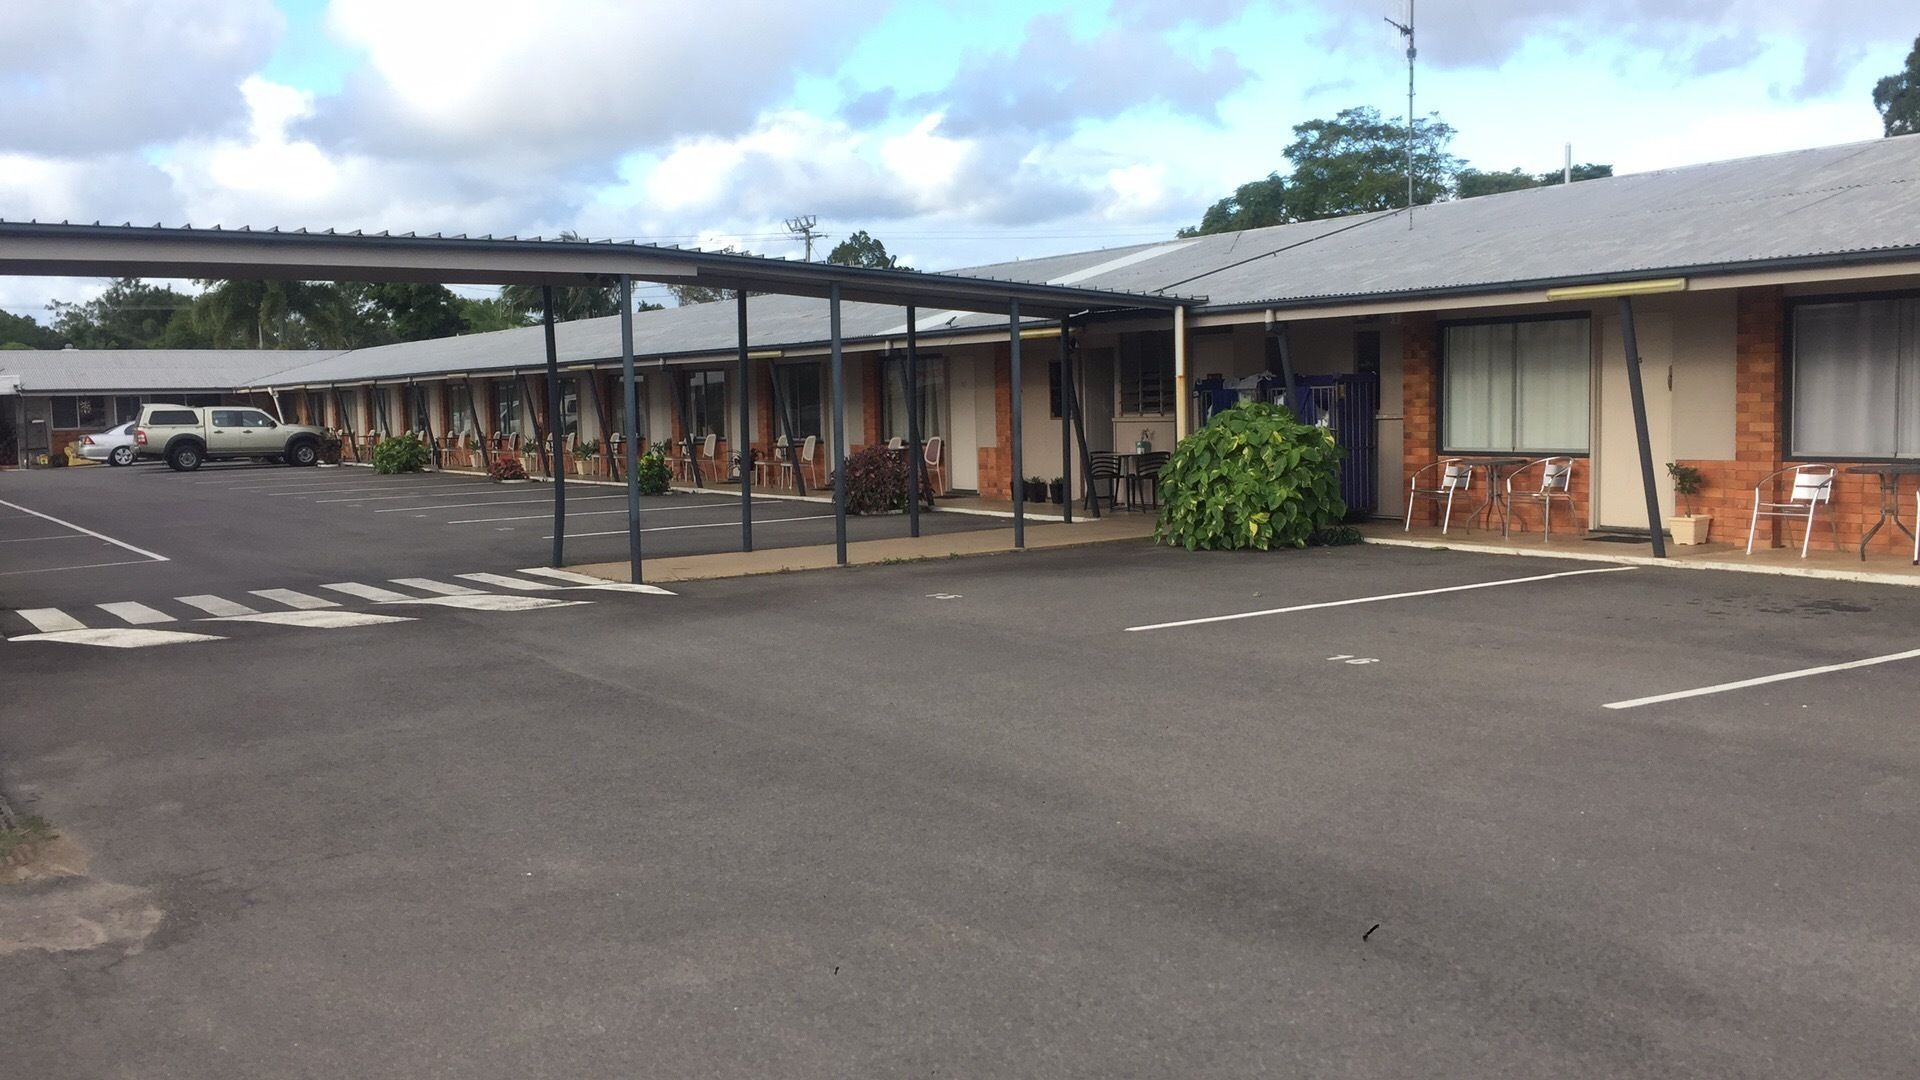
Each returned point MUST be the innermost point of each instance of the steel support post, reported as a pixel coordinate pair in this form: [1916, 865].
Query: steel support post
[1013, 404]
[554, 434]
[742, 445]
[839, 458]
[631, 425]
[1066, 429]
[1632, 348]
[916, 456]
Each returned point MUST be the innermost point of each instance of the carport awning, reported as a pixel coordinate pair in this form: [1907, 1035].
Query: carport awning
[34, 248]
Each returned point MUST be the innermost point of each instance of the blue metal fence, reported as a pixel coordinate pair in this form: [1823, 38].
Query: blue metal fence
[1346, 405]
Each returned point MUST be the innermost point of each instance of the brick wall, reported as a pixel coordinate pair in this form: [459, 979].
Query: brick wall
[1420, 390]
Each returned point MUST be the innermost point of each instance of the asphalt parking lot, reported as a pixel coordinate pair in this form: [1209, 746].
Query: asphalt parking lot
[1116, 811]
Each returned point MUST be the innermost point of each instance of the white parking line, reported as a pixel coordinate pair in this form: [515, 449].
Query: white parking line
[505, 582]
[432, 586]
[464, 491]
[293, 599]
[48, 620]
[135, 614]
[496, 502]
[1377, 599]
[1803, 673]
[314, 620]
[363, 487]
[757, 522]
[80, 566]
[593, 513]
[215, 605]
[89, 532]
[29, 539]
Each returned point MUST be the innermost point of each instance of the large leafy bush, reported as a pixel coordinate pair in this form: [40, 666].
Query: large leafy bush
[399, 454]
[651, 470]
[1254, 477]
[876, 481]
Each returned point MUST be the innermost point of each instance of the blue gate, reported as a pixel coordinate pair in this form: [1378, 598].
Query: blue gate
[1346, 405]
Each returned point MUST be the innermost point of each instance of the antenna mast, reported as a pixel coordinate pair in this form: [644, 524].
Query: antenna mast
[802, 227]
[1406, 31]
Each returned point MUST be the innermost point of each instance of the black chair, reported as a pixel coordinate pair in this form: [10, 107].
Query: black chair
[1145, 480]
[1106, 468]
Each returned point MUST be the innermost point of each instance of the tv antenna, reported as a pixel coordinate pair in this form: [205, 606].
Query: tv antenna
[1406, 31]
[802, 227]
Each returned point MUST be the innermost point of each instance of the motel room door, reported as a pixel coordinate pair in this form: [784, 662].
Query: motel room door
[1620, 502]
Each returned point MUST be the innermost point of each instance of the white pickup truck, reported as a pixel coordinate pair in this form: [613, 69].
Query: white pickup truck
[185, 436]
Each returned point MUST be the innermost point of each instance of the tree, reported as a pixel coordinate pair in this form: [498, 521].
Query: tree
[130, 314]
[1472, 182]
[861, 249]
[569, 301]
[686, 295]
[22, 332]
[1351, 164]
[259, 314]
[485, 316]
[415, 310]
[1898, 97]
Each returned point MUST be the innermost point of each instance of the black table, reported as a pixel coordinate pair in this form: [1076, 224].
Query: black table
[1889, 474]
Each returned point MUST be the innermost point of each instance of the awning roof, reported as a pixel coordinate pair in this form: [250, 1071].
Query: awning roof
[38, 248]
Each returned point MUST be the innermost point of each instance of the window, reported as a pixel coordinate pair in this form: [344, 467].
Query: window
[126, 407]
[1517, 386]
[1056, 408]
[459, 411]
[200, 401]
[1856, 379]
[707, 403]
[506, 406]
[1145, 372]
[417, 419]
[231, 418]
[801, 393]
[617, 406]
[173, 418]
[933, 397]
[569, 407]
[315, 408]
[82, 413]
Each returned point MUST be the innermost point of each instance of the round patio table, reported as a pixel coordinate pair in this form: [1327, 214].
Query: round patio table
[1889, 473]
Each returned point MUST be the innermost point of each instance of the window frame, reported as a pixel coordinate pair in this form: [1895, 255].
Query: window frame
[1784, 448]
[697, 402]
[1440, 385]
[1170, 391]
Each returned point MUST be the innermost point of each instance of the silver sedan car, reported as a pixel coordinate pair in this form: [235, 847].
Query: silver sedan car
[114, 445]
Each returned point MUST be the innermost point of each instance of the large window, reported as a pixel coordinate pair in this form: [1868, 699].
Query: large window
[1145, 372]
[417, 418]
[933, 397]
[569, 408]
[459, 410]
[1517, 386]
[617, 406]
[707, 402]
[1856, 379]
[800, 391]
[82, 413]
[505, 396]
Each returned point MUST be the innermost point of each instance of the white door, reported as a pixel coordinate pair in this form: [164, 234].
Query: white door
[1619, 493]
[963, 439]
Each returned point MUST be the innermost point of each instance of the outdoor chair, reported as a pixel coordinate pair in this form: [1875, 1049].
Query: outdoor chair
[1812, 488]
[711, 471]
[810, 459]
[1105, 469]
[936, 468]
[1450, 478]
[1144, 484]
[776, 469]
[1556, 482]
[1916, 528]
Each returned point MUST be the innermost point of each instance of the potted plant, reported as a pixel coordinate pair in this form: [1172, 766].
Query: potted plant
[583, 455]
[1057, 491]
[1036, 489]
[1688, 527]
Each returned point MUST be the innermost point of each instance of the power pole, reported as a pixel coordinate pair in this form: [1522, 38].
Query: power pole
[1406, 31]
[802, 227]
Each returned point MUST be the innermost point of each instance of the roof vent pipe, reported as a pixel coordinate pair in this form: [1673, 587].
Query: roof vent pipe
[1566, 173]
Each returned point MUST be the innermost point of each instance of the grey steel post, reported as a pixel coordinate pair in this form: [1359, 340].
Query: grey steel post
[630, 423]
[553, 428]
[1631, 346]
[839, 423]
[1019, 463]
[1066, 428]
[916, 457]
[743, 446]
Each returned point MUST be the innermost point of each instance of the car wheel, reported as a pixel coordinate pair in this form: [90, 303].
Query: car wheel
[122, 455]
[304, 452]
[184, 458]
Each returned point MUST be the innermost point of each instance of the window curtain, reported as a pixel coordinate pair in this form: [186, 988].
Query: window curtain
[1518, 386]
[1854, 380]
[1479, 389]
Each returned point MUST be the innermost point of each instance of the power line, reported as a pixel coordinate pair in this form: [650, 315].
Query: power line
[802, 227]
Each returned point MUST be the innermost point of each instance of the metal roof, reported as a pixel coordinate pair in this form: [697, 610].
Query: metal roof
[87, 371]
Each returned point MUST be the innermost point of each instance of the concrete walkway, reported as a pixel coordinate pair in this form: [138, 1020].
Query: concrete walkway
[1121, 527]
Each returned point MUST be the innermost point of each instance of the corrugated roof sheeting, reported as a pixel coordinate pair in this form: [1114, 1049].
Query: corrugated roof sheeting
[145, 370]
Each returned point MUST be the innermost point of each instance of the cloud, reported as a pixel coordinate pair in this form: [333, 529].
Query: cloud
[85, 76]
[1055, 81]
[1690, 38]
[567, 88]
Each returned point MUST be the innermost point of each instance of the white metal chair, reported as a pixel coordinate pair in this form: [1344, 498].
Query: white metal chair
[936, 465]
[1453, 477]
[809, 459]
[712, 469]
[777, 468]
[896, 444]
[1556, 482]
[1812, 488]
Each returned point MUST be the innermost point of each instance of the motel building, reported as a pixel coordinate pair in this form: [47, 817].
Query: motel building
[1775, 302]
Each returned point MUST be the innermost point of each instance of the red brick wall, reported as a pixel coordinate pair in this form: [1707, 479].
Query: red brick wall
[870, 404]
[996, 462]
[1420, 390]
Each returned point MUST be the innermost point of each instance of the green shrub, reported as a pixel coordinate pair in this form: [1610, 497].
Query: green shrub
[654, 476]
[1254, 477]
[876, 481]
[400, 454]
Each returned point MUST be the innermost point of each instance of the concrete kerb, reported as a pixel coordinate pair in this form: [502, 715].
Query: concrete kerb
[1867, 577]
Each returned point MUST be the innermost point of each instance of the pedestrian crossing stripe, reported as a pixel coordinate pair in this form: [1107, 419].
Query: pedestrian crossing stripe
[136, 614]
[293, 599]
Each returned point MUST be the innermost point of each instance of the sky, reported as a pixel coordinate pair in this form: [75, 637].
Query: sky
[959, 132]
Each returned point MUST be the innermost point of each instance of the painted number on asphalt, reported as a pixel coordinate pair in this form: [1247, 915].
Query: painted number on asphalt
[1347, 658]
